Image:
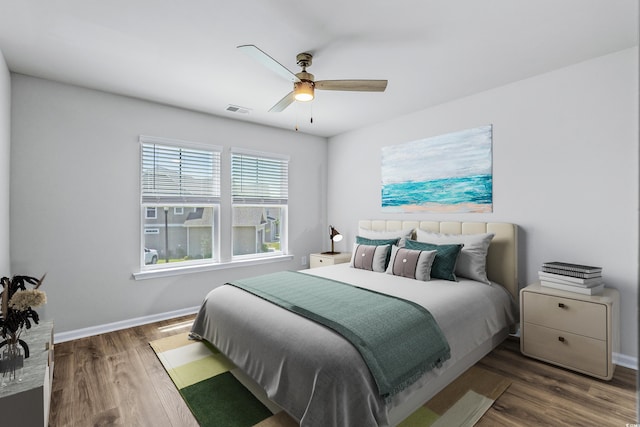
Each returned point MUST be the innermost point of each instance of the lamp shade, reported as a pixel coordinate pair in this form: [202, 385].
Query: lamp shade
[303, 90]
[334, 236]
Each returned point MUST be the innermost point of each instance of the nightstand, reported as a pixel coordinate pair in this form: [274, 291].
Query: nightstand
[575, 331]
[320, 260]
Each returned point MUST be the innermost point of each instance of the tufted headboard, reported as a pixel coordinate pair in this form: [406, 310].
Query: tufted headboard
[502, 258]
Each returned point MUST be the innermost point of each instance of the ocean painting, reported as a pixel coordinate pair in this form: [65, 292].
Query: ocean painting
[446, 173]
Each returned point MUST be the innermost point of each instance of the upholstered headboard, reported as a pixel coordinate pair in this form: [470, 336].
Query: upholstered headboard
[502, 258]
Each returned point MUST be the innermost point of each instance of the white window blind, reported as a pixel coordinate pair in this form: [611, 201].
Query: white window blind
[259, 179]
[175, 173]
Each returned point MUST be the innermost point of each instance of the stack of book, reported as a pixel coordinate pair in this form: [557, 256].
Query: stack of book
[583, 279]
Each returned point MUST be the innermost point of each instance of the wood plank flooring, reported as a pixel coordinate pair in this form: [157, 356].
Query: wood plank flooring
[545, 395]
[115, 379]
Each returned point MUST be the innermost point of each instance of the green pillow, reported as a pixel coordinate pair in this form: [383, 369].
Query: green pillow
[444, 266]
[376, 242]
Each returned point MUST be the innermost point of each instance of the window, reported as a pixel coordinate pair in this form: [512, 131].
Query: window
[179, 177]
[259, 187]
[150, 213]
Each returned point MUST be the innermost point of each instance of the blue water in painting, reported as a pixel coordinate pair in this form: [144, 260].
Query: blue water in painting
[446, 191]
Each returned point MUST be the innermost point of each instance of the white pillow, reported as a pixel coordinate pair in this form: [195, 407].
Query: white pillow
[369, 257]
[411, 263]
[472, 261]
[383, 235]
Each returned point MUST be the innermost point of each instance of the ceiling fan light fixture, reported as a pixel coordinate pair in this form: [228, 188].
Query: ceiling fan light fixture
[303, 90]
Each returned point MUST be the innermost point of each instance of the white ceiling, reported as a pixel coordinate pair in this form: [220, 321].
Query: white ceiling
[183, 53]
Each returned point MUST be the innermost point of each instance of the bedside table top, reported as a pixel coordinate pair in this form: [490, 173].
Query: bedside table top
[608, 295]
[338, 255]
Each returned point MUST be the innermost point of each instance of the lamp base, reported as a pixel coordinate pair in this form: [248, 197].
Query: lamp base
[330, 253]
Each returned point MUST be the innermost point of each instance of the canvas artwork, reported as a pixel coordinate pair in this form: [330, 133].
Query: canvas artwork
[446, 173]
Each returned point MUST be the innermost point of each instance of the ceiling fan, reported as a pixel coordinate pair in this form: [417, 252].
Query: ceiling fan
[304, 84]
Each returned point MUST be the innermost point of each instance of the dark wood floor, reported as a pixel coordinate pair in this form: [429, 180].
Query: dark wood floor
[115, 379]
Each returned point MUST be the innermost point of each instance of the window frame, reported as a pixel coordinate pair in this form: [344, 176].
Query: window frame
[222, 214]
[253, 198]
[179, 199]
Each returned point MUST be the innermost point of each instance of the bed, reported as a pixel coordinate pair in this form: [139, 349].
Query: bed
[319, 378]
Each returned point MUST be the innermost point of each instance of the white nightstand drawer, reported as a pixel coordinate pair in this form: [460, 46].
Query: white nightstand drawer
[578, 317]
[572, 351]
[321, 259]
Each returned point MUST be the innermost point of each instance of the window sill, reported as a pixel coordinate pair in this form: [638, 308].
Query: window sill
[177, 271]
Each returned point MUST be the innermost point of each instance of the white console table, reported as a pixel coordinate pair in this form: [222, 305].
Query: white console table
[26, 403]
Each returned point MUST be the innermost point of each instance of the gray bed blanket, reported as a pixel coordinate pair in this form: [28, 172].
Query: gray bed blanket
[399, 340]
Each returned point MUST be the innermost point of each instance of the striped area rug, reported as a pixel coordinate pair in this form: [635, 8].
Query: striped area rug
[220, 395]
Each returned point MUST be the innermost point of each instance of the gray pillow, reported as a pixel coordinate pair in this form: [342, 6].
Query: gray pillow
[472, 261]
[411, 263]
[370, 257]
[378, 242]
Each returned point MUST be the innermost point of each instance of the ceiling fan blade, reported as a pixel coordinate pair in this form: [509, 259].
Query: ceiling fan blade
[283, 103]
[269, 62]
[352, 85]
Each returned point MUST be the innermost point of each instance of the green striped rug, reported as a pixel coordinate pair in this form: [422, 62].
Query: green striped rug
[220, 395]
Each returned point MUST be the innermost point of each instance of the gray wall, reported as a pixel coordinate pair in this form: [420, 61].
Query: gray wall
[565, 162]
[5, 137]
[75, 156]
[565, 169]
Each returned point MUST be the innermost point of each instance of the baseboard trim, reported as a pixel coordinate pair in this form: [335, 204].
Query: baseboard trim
[626, 361]
[122, 324]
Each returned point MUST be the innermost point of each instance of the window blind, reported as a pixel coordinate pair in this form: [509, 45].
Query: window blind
[179, 174]
[259, 179]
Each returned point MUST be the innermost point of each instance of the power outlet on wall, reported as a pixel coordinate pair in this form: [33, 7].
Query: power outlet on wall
[303, 260]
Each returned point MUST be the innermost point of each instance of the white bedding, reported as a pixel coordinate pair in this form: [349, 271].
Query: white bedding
[318, 376]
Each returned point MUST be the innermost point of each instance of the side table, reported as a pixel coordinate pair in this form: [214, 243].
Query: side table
[572, 330]
[26, 403]
[322, 259]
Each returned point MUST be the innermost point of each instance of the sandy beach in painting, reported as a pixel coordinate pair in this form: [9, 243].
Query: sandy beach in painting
[441, 208]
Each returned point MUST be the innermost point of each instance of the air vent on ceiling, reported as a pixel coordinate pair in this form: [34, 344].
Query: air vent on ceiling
[237, 109]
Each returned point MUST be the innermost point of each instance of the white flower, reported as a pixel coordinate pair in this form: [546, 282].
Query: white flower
[22, 300]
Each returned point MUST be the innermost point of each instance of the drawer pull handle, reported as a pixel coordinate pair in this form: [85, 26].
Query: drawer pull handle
[561, 305]
[561, 339]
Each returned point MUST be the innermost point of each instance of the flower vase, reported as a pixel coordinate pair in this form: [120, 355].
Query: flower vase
[12, 355]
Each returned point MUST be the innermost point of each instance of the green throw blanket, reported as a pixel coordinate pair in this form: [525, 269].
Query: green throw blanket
[398, 339]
